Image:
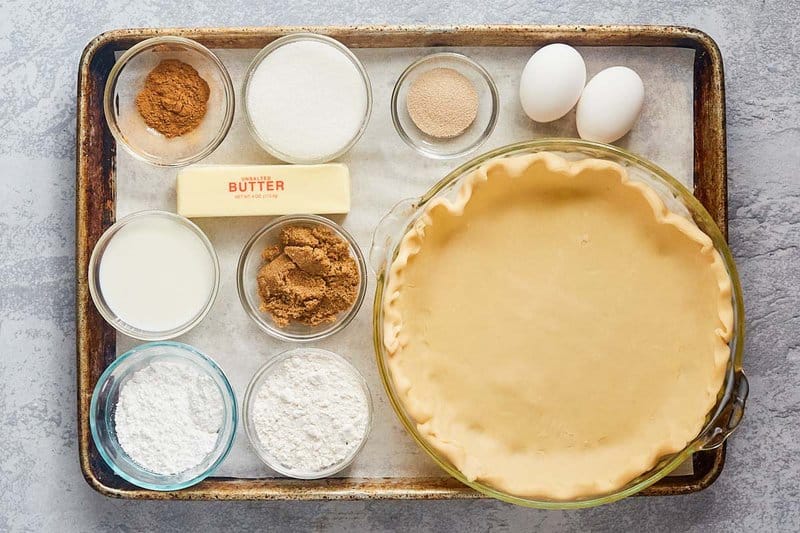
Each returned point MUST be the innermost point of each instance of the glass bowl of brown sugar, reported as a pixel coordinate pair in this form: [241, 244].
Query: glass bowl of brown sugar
[169, 101]
[301, 278]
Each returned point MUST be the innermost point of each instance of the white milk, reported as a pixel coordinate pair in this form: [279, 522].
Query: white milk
[156, 274]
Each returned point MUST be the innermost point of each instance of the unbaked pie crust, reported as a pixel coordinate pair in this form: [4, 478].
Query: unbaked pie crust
[555, 330]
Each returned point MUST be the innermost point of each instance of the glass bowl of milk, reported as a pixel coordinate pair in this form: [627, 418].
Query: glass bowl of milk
[153, 275]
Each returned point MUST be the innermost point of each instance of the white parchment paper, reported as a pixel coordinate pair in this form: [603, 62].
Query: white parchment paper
[384, 171]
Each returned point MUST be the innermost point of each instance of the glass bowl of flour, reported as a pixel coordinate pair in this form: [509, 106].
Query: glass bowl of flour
[307, 413]
[163, 416]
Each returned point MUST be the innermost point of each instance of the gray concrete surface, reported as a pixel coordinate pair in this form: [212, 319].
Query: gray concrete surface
[41, 488]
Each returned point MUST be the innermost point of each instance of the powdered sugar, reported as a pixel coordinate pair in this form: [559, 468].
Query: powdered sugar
[168, 417]
[310, 412]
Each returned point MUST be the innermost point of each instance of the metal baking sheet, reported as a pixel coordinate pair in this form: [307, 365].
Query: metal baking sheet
[384, 171]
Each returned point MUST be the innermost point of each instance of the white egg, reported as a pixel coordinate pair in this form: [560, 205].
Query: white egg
[551, 82]
[610, 104]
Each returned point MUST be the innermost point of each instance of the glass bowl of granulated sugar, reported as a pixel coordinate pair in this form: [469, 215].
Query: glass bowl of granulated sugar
[163, 416]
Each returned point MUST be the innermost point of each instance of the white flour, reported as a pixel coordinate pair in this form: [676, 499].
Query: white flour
[310, 412]
[168, 416]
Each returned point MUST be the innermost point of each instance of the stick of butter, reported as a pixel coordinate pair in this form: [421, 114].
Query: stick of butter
[245, 190]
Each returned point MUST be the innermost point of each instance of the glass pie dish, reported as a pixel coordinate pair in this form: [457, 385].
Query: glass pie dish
[721, 420]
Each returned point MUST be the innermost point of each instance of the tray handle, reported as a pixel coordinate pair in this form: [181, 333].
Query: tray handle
[731, 415]
[387, 231]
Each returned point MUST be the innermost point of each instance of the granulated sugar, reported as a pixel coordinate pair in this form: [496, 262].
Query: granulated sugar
[311, 412]
[307, 99]
[168, 416]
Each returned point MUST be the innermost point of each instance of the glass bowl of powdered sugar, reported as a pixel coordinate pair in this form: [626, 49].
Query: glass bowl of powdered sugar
[163, 416]
[307, 413]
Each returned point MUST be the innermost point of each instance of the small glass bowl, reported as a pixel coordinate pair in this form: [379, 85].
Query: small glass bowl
[478, 131]
[127, 79]
[250, 261]
[249, 398]
[271, 47]
[106, 395]
[97, 294]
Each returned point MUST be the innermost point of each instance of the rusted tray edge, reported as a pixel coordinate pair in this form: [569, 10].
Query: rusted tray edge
[96, 151]
[92, 157]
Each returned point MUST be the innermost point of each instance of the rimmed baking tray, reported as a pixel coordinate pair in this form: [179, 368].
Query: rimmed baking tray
[95, 211]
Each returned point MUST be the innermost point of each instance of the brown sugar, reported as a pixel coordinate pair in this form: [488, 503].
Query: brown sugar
[174, 98]
[310, 277]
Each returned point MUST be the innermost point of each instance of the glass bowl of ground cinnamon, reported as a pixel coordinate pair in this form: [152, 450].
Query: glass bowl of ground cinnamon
[169, 101]
[301, 278]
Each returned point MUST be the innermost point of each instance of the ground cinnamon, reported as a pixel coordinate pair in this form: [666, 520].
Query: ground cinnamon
[174, 98]
[310, 277]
